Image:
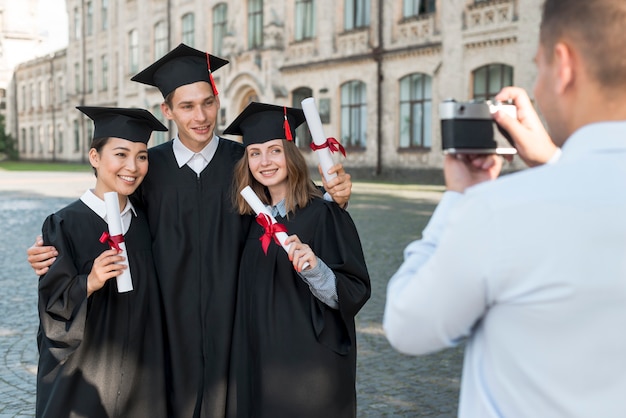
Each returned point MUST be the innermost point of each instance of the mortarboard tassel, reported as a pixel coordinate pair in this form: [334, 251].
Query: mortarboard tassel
[286, 126]
[208, 63]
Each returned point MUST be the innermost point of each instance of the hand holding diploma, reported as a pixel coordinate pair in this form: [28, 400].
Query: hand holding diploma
[115, 238]
[272, 228]
[323, 147]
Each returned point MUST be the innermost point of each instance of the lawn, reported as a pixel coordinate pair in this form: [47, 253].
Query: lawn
[42, 166]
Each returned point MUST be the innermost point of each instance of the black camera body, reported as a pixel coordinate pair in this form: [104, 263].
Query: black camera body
[468, 128]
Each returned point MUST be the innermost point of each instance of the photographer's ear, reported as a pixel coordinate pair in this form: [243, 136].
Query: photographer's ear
[565, 64]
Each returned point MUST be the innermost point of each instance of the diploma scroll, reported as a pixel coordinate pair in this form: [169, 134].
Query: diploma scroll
[114, 219]
[317, 133]
[259, 208]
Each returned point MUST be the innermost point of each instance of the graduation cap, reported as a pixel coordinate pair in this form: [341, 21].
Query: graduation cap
[132, 124]
[262, 122]
[182, 65]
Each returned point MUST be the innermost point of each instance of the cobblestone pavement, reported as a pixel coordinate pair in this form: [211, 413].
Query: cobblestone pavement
[388, 216]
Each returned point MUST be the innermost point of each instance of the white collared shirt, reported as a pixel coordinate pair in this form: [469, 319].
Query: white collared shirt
[197, 161]
[98, 206]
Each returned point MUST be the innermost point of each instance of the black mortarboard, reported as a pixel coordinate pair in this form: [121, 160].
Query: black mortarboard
[262, 122]
[182, 65]
[135, 125]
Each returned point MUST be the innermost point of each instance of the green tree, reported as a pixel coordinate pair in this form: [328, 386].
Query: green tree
[7, 144]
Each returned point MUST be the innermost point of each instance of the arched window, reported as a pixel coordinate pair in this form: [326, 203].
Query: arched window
[220, 21]
[353, 114]
[255, 23]
[160, 39]
[133, 51]
[303, 135]
[489, 80]
[356, 14]
[189, 29]
[305, 19]
[159, 137]
[415, 111]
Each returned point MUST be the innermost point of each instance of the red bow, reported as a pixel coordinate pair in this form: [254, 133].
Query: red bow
[332, 144]
[270, 230]
[113, 241]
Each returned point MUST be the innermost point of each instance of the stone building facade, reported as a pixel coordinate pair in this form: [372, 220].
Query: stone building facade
[378, 69]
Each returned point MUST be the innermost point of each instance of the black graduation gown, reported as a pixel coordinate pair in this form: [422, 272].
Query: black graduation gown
[99, 356]
[197, 241]
[293, 356]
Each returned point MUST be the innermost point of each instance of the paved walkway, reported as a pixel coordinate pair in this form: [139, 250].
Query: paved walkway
[387, 216]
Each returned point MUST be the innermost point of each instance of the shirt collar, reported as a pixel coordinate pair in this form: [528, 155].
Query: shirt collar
[595, 138]
[279, 209]
[184, 154]
[97, 205]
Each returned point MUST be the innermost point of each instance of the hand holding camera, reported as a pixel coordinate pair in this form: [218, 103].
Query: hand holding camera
[467, 128]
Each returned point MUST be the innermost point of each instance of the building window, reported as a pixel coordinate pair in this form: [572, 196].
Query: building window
[303, 135]
[76, 136]
[357, 14]
[77, 78]
[490, 79]
[104, 14]
[23, 107]
[220, 19]
[189, 29]
[77, 28]
[415, 111]
[32, 140]
[60, 90]
[42, 94]
[60, 139]
[89, 18]
[159, 137]
[305, 19]
[255, 23]
[413, 8]
[133, 51]
[89, 75]
[33, 96]
[353, 114]
[23, 140]
[160, 39]
[104, 68]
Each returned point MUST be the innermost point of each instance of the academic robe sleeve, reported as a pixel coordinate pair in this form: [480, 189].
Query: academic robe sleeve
[62, 295]
[337, 243]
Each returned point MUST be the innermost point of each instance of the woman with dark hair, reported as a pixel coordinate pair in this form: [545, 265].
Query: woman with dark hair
[294, 347]
[100, 345]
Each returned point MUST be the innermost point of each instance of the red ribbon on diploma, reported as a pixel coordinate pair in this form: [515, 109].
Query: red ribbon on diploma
[332, 144]
[113, 241]
[270, 230]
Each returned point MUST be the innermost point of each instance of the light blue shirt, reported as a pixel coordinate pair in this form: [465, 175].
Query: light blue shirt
[320, 279]
[531, 268]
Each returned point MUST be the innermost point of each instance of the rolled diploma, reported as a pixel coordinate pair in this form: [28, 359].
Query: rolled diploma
[317, 133]
[258, 207]
[114, 219]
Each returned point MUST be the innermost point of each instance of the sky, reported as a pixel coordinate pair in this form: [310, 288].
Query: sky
[53, 23]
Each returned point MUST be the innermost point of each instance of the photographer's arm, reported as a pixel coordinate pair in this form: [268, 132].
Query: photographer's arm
[41, 257]
[531, 139]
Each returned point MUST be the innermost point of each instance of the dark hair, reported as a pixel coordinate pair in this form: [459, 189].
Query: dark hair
[300, 185]
[596, 27]
[98, 144]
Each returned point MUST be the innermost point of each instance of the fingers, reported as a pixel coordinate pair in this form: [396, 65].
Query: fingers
[463, 170]
[300, 254]
[340, 187]
[41, 257]
[106, 266]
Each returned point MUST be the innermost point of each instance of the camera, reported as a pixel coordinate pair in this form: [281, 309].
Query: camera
[467, 128]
